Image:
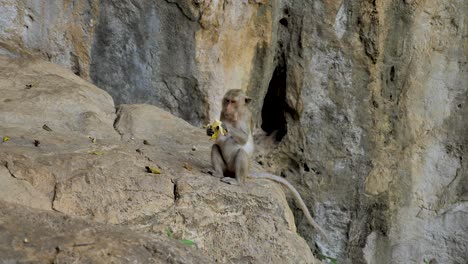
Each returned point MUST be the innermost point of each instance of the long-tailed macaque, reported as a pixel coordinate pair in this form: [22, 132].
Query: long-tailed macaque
[231, 153]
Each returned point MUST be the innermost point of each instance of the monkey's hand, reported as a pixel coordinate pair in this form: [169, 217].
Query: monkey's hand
[209, 130]
[224, 127]
[216, 129]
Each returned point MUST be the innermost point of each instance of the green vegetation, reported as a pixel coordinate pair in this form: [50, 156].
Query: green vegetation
[187, 242]
[327, 259]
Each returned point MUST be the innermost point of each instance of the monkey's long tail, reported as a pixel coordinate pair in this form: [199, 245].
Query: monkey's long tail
[297, 196]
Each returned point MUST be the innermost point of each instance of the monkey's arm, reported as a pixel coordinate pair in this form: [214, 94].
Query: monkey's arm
[239, 135]
[297, 196]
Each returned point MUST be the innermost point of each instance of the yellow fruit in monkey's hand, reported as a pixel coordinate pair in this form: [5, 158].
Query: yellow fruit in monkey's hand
[218, 129]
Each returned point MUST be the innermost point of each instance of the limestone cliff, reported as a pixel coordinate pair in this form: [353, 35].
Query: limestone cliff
[367, 101]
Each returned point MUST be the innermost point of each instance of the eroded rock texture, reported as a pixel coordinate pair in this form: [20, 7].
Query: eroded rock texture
[60, 31]
[366, 100]
[144, 52]
[97, 172]
[31, 235]
[375, 113]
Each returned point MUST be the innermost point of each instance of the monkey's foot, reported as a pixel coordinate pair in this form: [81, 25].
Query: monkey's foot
[207, 171]
[218, 175]
[229, 180]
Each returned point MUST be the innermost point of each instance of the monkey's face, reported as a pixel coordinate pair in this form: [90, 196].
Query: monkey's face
[231, 107]
[234, 104]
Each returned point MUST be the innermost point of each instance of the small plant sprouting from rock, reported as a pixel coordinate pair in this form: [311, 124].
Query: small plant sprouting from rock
[327, 259]
[431, 261]
[170, 234]
[187, 242]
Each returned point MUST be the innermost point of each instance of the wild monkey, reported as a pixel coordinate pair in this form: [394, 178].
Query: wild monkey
[231, 153]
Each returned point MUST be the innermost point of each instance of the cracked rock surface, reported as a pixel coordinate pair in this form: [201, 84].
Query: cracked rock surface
[38, 236]
[78, 189]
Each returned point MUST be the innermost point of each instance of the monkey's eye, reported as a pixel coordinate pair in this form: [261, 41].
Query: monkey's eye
[233, 102]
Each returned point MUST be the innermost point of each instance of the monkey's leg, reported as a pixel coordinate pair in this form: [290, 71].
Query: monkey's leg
[241, 166]
[217, 161]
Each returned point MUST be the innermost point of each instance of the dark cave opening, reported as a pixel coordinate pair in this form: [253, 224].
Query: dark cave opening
[274, 105]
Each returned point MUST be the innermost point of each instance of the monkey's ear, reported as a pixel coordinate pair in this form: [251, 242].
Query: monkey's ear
[247, 100]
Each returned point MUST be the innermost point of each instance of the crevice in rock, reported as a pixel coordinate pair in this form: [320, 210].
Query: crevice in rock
[75, 64]
[175, 191]
[284, 22]
[392, 74]
[84, 244]
[116, 122]
[155, 252]
[368, 24]
[9, 170]
[54, 196]
[55, 257]
[275, 108]
[184, 10]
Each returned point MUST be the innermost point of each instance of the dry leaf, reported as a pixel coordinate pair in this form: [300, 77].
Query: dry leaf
[188, 166]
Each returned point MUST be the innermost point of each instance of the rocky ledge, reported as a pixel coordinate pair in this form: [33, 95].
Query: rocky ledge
[75, 186]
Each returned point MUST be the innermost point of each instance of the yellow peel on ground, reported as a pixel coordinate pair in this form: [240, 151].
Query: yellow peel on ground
[153, 170]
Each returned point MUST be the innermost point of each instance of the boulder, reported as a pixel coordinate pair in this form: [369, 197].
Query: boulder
[39, 95]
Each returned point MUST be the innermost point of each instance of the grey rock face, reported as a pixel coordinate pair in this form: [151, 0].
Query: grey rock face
[59, 31]
[374, 109]
[144, 52]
